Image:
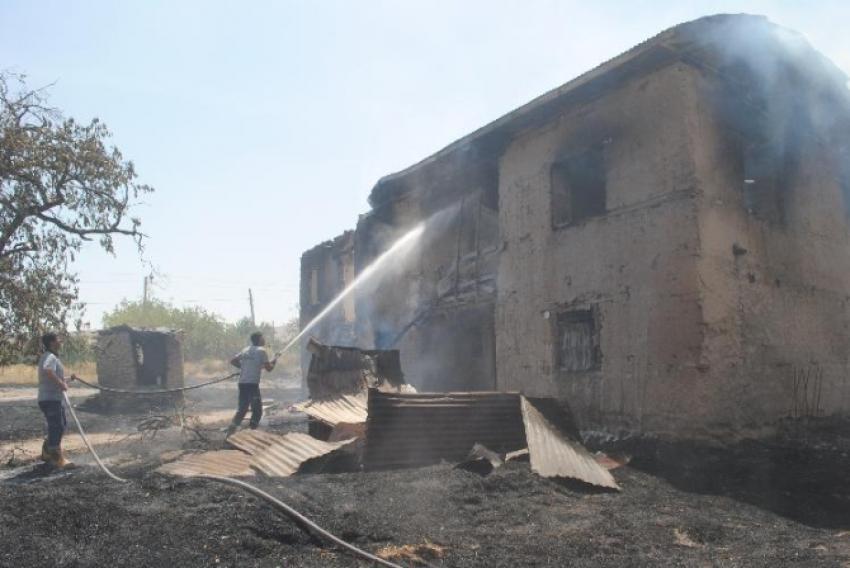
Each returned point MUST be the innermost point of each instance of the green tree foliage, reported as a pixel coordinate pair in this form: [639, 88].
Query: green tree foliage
[78, 347]
[206, 335]
[61, 184]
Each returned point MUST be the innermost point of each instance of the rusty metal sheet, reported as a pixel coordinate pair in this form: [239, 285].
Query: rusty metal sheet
[342, 409]
[288, 453]
[346, 431]
[409, 430]
[229, 463]
[277, 455]
[553, 453]
[252, 441]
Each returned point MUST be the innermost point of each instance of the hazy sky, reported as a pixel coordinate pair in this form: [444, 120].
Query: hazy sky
[264, 125]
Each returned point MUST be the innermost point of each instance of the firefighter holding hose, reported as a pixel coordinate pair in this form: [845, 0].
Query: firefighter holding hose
[51, 385]
[251, 361]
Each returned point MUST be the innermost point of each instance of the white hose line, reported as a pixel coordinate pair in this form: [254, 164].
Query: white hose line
[86, 441]
[158, 391]
[301, 519]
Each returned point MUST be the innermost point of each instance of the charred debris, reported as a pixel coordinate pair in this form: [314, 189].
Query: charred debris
[363, 416]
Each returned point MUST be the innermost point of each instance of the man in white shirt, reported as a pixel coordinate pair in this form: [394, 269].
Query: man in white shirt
[250, 361]
[51, 385]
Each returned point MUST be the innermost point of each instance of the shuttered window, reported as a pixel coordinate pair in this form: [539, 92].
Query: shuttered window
[577, 343]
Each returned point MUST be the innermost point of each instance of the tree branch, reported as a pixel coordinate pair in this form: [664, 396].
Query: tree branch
[84, 232]
[16, 250]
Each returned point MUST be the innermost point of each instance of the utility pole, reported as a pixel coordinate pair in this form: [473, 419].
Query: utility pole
[146, 288]
[251, 301]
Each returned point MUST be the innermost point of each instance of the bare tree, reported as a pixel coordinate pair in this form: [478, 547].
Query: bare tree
[60, 184]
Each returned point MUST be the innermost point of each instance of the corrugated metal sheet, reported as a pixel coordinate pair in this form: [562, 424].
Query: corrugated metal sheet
[554, 454]
[229, 463]
[408, 430]
[280, 456]
[346, 431]
[343, 409]
[287, 455]
[252, 441]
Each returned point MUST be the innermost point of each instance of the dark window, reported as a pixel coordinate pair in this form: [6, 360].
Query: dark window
[578, 344]
[151, 358]
[764, 182]
[578, 187]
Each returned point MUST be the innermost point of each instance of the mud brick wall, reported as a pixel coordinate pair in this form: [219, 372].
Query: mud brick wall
[116, 360]
[663, 242]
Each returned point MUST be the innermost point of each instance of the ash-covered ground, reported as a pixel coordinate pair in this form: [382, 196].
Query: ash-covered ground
[754, 505]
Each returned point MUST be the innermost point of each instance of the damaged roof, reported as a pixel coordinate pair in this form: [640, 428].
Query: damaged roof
[337, 370]
[123, 328]
[719, 44]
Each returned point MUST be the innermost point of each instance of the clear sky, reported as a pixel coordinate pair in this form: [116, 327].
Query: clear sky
[264, 125]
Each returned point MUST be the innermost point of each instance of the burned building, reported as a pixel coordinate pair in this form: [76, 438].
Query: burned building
[662, 241]
[137, 360]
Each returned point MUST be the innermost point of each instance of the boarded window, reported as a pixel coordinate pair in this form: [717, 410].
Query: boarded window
[578, 187]
[577, 347]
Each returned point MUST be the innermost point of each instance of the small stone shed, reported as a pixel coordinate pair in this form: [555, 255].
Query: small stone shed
[140, 359]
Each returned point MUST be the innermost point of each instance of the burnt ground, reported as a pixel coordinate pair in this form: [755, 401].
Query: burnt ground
[753, 505]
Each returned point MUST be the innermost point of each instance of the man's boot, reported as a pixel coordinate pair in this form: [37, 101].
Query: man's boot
[58, 459]
[230, 430]
[45, 454]
[64, 462]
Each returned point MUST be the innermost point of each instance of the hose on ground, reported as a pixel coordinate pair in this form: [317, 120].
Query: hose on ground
[87, 443]
[158, 391]
[303, 521]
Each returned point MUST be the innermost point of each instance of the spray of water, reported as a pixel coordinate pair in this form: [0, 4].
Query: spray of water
[367, 273]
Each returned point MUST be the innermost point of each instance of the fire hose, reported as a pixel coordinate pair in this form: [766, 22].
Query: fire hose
[157, 391]
[86, 440]
[300, 519]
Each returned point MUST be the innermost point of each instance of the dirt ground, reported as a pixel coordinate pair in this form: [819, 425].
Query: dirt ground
[754, 505]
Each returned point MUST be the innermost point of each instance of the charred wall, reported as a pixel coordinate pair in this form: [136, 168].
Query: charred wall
[663, 241]
[437, 305]
[710, 295]
[602, 309]
[775, 246]
[325, 272]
